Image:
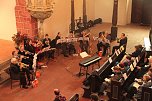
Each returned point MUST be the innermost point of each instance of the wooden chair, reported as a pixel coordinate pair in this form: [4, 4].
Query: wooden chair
[14, 77]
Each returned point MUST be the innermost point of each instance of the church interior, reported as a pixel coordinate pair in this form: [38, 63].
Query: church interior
[76, 50]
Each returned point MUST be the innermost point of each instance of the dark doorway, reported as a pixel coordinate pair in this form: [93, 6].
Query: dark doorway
[141, 11]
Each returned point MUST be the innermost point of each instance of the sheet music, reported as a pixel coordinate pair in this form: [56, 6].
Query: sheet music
[135, 84]
[95, 38]
[116, 53]
[131, 67]
[110, 59]
[84, 54]
[107, 80]
[122, 48]
[137, 59]
[125, 76]
[134, 63]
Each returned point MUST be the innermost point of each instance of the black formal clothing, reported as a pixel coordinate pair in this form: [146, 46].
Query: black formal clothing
[122, 42]
[136, 53]
[63, 46]
[22, 72]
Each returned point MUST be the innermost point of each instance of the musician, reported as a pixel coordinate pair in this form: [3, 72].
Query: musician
[80, 24]
[122, 42]
[47, 44]
[63, 45]
[30, 51]
[71, 46]
[103, 43]
[37, 45]
[24, 56]
[22, 71]
[29, 47]
[84, 44]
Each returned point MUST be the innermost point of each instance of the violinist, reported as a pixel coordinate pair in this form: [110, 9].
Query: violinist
[71, 46]
[38, 45]
[84, 44]
[103, 43]
[47, 44]
[30, 48]
[24, 57]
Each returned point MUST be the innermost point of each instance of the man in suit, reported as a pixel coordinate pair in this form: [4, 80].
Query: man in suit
[122, 42]
[22, 71]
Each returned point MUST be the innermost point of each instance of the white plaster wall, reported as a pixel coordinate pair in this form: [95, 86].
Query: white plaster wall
[7, 19]
[61, 18]
[104, 10]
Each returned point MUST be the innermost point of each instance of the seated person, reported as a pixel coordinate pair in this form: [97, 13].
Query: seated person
[47, 44]
[122, 42]
[22, 71]
[137, 51]
[58, 96]
[37, 45]
[25, 57]
[71, 46]
[84, 44]
[116, 77]
[63, 45]
[147, 82]
[103, 43]
[94, 97]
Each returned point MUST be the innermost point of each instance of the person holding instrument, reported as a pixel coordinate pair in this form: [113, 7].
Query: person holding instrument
[19, 68]
[84, 43]
[122, 42]
[103, 43]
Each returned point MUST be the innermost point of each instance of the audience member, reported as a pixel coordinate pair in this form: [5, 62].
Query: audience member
[58, 96]
[94, 97]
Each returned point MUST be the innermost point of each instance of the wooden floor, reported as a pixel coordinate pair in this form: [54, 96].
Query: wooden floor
[61, 73]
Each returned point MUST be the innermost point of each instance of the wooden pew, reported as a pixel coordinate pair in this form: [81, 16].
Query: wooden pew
[75, 97]
[93, 82]
[146, 94]
[123, 87]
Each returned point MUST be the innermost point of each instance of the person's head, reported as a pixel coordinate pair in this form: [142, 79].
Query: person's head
[21, 47]
[14, 53]
[46, 36]
[136, 47]
[122, 35]
[146, 78]
[94, 97]
[100, 34]
[14, 61]
[56, 92]
[59, 34]
[140, 46]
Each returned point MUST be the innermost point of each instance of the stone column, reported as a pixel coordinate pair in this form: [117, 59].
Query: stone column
[72, 17]
[114, 27]
[84, 14]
